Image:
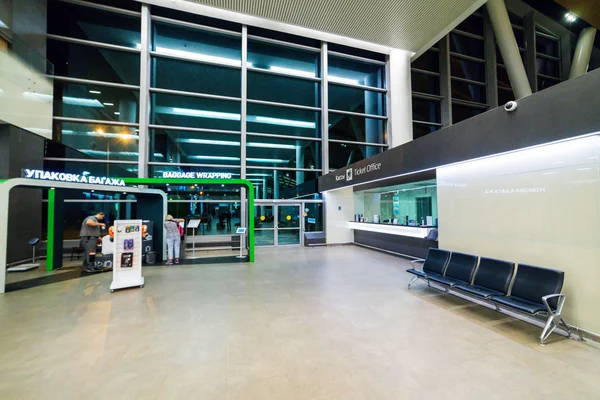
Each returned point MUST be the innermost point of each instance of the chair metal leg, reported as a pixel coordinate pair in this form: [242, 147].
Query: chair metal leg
[548, 329]
[413, 280]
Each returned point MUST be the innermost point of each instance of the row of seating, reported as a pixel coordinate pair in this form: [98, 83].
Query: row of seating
[535, 291]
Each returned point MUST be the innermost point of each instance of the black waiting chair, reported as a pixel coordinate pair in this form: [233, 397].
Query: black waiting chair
[536, 291]
[459, 271]
[492, 278]
[433, 265]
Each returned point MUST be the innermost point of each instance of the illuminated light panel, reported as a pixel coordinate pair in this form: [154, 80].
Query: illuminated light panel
[108, 153]
[290, 71]
[206, 114]
[198, 56]
[281, 121]
[228, 143]
[221, 158]
[102, 134]
[268, 160]
[338, 79]
[95, 92]
[109, 104]
[263, 175]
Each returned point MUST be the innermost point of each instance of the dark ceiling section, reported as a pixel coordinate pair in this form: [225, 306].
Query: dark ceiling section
[588, 10]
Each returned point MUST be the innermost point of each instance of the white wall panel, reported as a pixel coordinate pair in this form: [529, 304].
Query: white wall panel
[339, 210]
[538, 206]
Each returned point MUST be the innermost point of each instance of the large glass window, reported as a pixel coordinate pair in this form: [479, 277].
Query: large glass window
[467, 69]
[101, 141]
[283, 89]
[89, 62]
[425, 83]
[92, 24]
[283, 120]
[356, 128]
[283, 59]
[467, 91]
[196, 77]
[411, 204]
[355, 72]
[276, 152]
[344, 154]
[282, 184]
[467, 45]
[356, 100]
[460, 112]
[428, 61]
[426, 110]
[195, 112]
[88, 101]
[197, 45]
[421, 129]
[176, 146]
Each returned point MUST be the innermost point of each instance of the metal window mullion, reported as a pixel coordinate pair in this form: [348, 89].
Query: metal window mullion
[92, 43]
[427, 96]
[189, 129]
[469, 81]
[425, 72]
[89, 160]
[359, 86]
[355, 58]
[95, 121]
[92, 82]
[244, 105]
[491, 71]
[531, 52]
[325, 107]
[102, 7]
[466, 57]
[371, 116]
[194, 94]
[282, 43]
[545, 35]
[167, 164]
[283, 168]
[270, 72]
[416, 121]
[286, 105]
[358, 143]
[548, 57]
[144, 134]
[278, 136]
[192, 25]
[550, 77]
[445, 82]
[467, 34]
[470, 104]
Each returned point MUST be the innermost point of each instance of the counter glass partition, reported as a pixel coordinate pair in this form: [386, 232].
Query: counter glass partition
[412, 204]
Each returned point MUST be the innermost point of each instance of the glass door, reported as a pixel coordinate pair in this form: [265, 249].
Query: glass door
[264, 225]
[288, 224]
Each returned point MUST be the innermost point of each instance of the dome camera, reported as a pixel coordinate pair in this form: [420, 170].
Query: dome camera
[510, 106]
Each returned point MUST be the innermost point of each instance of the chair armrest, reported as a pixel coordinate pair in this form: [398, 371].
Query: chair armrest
[420, 260]
[559, 305]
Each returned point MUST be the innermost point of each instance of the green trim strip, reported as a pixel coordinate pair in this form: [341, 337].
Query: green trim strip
[50, 233]
[231, 182]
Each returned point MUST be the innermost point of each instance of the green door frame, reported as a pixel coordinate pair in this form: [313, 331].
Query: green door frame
[229, 182]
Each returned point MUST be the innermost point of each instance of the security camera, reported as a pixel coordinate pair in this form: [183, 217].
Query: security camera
[510, 106]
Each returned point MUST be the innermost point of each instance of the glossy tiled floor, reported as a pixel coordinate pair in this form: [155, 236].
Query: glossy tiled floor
[325, 323]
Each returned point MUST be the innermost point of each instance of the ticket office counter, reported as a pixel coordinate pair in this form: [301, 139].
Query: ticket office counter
[399, 219]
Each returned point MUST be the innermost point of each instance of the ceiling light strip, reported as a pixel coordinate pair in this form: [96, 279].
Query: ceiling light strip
[355, 58]
[193, 59]
[286, 105]
[284, 44]
[270, 71]
[189, 129]
[95, 121]
[92, 82]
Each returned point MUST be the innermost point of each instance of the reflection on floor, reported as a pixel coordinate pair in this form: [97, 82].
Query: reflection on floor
[68, 266]
[318, 323]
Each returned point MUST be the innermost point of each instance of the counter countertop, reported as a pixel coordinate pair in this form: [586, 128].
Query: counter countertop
[385, 224]
[390, 229]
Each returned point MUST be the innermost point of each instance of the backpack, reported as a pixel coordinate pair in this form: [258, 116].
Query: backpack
[181, 231]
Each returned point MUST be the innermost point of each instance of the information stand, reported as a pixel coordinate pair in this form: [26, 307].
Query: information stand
[127, 258]
[193, 225]
[241, 232]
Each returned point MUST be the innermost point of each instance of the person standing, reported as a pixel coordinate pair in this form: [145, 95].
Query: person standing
[173, 238]
[89, 234]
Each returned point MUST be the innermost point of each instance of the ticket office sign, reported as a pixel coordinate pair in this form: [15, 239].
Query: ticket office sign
[127, 262]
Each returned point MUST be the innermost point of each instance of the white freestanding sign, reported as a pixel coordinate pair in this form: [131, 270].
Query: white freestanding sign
[127, 261]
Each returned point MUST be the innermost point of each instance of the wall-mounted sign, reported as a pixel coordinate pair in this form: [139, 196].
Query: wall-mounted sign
[196, 175]
[84, 177]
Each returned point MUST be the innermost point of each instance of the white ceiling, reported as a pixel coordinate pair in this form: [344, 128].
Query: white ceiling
[412, 25]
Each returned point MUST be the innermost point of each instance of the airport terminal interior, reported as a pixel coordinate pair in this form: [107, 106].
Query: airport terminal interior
[264, 199]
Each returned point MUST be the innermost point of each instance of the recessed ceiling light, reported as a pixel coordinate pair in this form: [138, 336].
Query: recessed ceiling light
[570, 17]
[95, 92]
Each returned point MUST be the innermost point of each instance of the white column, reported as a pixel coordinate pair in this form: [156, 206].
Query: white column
[583, 52]
[399, 98]
[299, 162]
[508, 48]
[275, 184]
[144, 142]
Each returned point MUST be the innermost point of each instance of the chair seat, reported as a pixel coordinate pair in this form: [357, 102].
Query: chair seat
[417, 272]
[477, 290]
[446, 280]
[519, 304]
